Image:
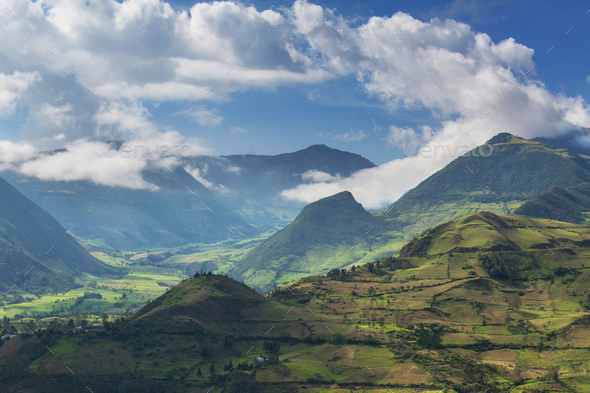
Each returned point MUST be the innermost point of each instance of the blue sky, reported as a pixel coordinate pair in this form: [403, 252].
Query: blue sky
[341, 106]
[369, 77]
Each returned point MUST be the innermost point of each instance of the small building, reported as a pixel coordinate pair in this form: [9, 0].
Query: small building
[262, 359]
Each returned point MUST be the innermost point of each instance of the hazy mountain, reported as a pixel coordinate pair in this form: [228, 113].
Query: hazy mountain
[36, 251]
[517, 170]
[575, 141]
[124, 218]
[173, 215]
[320, 238]
[252, 183]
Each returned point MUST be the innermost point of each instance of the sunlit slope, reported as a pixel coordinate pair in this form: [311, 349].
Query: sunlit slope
[321, 236]
[517, 170]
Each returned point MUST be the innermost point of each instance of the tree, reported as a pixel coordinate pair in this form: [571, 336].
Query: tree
[514, 301]
[353, 269]
[6, 323]
[371, 291]
[199, 373]
[272, 348]
[370, 265]
[212, 368]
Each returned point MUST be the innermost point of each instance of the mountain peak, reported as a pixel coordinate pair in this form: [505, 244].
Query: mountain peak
[505, 137]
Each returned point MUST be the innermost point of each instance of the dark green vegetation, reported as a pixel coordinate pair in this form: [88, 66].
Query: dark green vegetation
[334, 224]
[570, 205]
[484, 303]
[36, 253]
[518, 170]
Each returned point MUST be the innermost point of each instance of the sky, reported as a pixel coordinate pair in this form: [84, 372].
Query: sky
[378, 79]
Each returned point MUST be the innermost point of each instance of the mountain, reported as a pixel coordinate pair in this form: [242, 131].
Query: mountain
[319, 238]
[449, 313]
[252, 183]
[180, 212]
[574, 141]
[213, 304]
[31, 239]
[570, 205]
[517, 170]
[241, 190]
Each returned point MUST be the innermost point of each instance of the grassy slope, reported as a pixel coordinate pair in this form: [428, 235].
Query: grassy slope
[434, 316]
[320, 237]
[31, 237]
[517, 170]
[570, 205]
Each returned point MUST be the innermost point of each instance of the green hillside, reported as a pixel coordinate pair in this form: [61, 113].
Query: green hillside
[570, 205]
[518, 170]
[485, 303]
[30, 237]
[133, 219]
[321, 237]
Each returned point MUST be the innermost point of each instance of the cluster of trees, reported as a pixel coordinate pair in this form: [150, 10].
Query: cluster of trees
[496, 267]
[272, 347]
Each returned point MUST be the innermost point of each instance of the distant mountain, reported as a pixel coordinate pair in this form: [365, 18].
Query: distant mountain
[517, 170]
[252, 183]
[575, 141]
[243, 195]
[182, 211]
[569, 205]
[36, 253]
[320, 238]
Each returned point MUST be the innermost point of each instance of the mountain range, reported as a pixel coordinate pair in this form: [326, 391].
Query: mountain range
[36, 253]
[244, 197]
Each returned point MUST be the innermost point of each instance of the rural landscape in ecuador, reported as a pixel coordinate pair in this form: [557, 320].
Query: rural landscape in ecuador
[256, 196]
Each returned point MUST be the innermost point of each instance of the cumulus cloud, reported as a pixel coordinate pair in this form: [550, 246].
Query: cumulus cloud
[470, 83]
[57, 115]
[205, 117]
[79, 162]
[351, 136]
[11, 86]
[126, 55]
[316, 176]
[14, 153]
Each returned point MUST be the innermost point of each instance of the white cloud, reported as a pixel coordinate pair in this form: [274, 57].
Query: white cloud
[588, 79]
[11, 86]
[400, 137]
[351, 136]
[199, 173]
[13, 153]
[141, 50]
[79, 162]
[206, 118]
[57, 115]
[316, 176]
[236, 130]
[445, 68]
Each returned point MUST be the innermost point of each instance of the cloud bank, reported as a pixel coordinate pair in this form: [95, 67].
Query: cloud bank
[93, 68]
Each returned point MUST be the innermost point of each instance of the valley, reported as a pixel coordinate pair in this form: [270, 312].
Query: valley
[474, 287]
